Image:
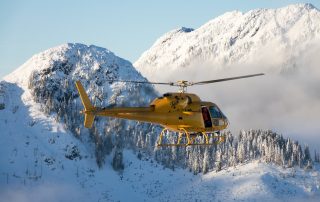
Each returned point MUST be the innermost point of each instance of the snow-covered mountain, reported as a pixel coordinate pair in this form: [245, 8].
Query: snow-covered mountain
[48, 79]
[284, 43]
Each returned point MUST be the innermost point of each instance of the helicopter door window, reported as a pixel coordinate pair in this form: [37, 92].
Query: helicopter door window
[215, 112]
[206, 117]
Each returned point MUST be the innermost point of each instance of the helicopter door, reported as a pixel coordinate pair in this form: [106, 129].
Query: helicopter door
[206, 117]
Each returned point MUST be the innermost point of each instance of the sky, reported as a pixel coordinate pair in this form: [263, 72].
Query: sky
[126, 27]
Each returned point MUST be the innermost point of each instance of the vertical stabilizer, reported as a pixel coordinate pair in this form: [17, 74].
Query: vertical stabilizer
[88, 107]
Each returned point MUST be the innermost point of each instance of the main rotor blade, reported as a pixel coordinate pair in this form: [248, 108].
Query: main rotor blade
[146, 82]
[226, 79]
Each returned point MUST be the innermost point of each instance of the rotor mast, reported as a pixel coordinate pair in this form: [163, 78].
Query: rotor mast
[183, 85]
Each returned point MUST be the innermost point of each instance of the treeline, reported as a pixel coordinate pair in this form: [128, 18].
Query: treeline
[250, 145]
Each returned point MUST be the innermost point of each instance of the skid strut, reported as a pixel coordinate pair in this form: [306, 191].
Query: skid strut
[190, 139]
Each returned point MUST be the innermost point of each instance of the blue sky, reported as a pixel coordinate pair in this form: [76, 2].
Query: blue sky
[126, 27]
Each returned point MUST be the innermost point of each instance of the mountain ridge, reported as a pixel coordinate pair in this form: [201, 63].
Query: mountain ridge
[234, 37]
[61, 52]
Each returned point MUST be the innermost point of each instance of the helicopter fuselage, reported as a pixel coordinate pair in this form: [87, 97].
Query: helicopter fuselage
[181, 112]
[174, 111]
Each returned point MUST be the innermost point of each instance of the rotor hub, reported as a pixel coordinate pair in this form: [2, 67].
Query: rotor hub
[183, 85]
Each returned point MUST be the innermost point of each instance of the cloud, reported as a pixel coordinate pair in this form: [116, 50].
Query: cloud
[286, 99]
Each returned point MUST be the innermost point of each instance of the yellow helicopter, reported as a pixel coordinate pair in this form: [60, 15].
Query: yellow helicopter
[180, 112]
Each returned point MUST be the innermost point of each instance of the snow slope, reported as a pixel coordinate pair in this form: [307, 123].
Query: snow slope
[34, 167]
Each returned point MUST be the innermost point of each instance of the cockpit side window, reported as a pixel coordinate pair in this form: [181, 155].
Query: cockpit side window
[215, 112]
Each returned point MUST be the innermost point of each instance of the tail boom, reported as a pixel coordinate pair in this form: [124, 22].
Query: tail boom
[145, 114]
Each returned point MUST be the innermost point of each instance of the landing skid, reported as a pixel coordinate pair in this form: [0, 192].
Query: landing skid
[191, 139]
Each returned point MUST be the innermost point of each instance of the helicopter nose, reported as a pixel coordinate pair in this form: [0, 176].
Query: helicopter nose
[226, 121]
